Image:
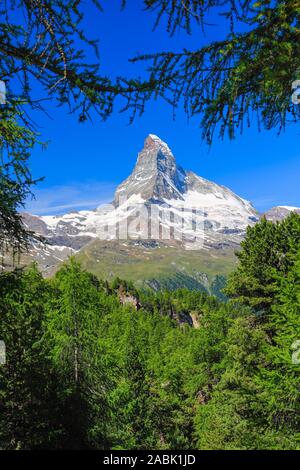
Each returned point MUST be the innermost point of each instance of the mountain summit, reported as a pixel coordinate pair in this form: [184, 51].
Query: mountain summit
[157, 179]
[155, 176]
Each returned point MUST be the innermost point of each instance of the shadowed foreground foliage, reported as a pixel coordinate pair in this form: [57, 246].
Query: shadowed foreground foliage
[85, 371]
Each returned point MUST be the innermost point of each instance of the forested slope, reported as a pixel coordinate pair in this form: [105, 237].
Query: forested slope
[92, 364]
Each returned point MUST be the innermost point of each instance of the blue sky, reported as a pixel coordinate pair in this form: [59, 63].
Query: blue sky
[85, 162]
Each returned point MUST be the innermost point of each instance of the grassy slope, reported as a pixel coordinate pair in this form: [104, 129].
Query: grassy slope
[168, 266]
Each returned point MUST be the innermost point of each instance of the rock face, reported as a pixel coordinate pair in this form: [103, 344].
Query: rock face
[279, 213]
[158, 201]
[156, 176]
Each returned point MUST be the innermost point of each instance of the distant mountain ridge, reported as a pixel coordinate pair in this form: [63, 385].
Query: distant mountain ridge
[279, 213]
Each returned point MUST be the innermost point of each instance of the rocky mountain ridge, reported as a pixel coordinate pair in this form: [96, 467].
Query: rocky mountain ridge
[278, 213]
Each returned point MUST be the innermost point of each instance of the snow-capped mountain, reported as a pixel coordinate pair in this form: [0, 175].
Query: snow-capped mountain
[280, 212]
[159, 201]
[156, 176]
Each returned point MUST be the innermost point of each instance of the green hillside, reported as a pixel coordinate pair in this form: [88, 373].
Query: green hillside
[156, 265]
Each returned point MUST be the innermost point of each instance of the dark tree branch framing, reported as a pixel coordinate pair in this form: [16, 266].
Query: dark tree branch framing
[182, 13]
[227, 82]
[15, 181]
[43, 49]
[224, 82]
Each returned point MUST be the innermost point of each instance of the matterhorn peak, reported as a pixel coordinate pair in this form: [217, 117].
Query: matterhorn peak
[153, 141]
[156, 150]
[156, 175]
[156, 178]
